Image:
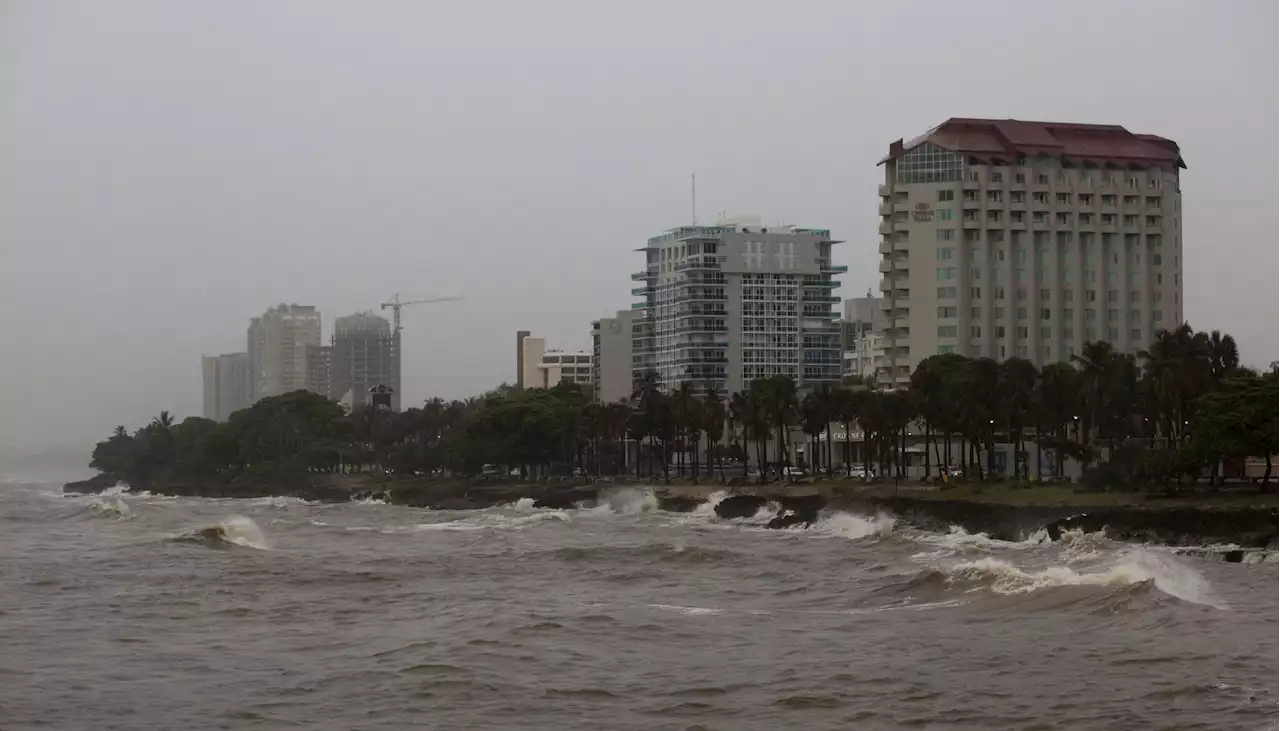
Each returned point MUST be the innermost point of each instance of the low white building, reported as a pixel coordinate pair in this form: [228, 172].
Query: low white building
[864, 355]
[538, 367]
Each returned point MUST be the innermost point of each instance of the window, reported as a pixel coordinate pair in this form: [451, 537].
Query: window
[971, 196]
[1135, 335]
[946, 195]
[975, 331]
[1068, 313]
[1042, 274]
[1018, 216]
[1112, 276]
[1068, 295]
[1153, 220]
[995, 196]
[1090, 314]
[1020, 275]
[946, 273]
[1045, 313]
[1153, 183]
[1157, 297]
[1020, 179]
[900, 216]
[995, 216]
[1046, 333]
[1133, 182]
[1153, 201]
[1044, 295]
[975, 293]
[1022, 313]
[1064, 219]
[1020, 254]
[1090, 295]
[999, 293]
[1018, 196]
[946, 293]
[1064, 199]
[1131, 220]
[929, 163]
[971, 234]
[946, 312]
[1159, 278]
[1042, 180]
[1157, 315]
[1069, 333]
[999, 313]
[995, 237]
[946, 253]
[946, 331]
[1108, 219]
[946, 349]
[1086, 219]
[1090, 276]
[946, 214]
[975, 313]
[1091, 334]
[999, 331]
[975, 274]
[946, 234]
[1040, 198]
[1039, 217]
[1044, 352]
[1021, 331]
[1131, 200]
[1086, 199]
[999, 275]
[1134, 297]
[1108, 200]
[1113, 295]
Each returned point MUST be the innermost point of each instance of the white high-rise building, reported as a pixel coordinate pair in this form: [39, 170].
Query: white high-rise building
[278, 342]
[1003, 238]
[727, 304]
[611, 357]
[226, 384]
[538, 367]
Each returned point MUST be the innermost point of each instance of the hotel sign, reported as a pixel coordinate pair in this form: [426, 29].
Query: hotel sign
[923, 213]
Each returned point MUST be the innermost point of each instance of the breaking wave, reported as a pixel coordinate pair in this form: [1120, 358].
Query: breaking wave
[853, 527]
[1136, 566]
[235, 530]
[110, 507]
[623, 501]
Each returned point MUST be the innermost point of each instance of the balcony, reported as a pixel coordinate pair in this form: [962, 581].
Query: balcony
[886, 247]
[972, 184]
[834, 268]
[886, 284]
[902, 323]
[639, 305]
[641, 276]
[968, 204]
[886, 266]
[886, 208]
[886, 190]
[831, 299]
[641, 291]
[886, 226]
[971, 222]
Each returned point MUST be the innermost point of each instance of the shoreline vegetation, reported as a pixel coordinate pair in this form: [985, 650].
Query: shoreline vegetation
[1157, 436]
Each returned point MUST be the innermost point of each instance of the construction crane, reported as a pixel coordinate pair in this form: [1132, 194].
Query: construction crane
[395, 303]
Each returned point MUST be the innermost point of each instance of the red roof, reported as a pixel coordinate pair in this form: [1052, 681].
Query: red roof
[1006, 139]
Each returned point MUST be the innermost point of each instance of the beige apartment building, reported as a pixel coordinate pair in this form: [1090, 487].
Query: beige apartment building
[539, 367]
[1003, 238]
[278, 349]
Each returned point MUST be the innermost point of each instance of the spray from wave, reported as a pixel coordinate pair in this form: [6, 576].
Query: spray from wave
[852, 527]
[623, 501]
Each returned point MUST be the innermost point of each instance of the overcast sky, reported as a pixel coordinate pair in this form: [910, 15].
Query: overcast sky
[169, 169]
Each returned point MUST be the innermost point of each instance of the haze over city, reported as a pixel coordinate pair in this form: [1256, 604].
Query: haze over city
[169, 170]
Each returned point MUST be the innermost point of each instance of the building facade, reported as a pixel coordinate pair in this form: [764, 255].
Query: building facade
[725, 305]
[863, 317]
[366, 354]
[277, 347]
[227, 384]
[611, 357]
[542, 368]
[1003, 238]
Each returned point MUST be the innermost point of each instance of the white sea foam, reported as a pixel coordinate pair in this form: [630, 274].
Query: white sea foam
[280, 502]
[116, 490]
[1132, 567]
[235, 530]
[853, 527]
[689, 611]
[524, 504]
[708, 508]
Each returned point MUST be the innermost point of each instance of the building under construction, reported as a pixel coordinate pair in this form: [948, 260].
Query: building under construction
[365, 353]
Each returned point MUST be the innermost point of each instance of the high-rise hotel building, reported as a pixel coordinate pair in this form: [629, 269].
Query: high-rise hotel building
[1003, 238]
[724, 305]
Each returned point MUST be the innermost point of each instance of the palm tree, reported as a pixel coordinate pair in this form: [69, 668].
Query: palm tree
[748, 409]
[1017, 386]
[813, 419]
[825, 395]
[781, 404]
[685, 411]
[843, 408]
[713, 417]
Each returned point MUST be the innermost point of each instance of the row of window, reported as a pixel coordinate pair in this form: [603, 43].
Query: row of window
[1088, 276]
[1022, 333]
[1090, 314]
[1067, 295]
[1060, 219]
[1040, 238]
[1064, 177]
[1062, 199]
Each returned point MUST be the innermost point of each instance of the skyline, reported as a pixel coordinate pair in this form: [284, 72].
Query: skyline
[166, 182]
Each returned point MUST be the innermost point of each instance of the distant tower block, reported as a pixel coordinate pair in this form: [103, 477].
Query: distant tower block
[380, 397]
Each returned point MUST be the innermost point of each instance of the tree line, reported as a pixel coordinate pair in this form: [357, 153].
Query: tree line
[1179, 409]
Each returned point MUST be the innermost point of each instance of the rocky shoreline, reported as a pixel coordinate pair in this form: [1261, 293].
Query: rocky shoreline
[1248, 528]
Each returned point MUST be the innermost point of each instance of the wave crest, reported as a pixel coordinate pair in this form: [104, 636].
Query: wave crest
[110, 507]
[236, 530]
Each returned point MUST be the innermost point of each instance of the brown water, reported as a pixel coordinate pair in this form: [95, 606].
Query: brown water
[127, 612]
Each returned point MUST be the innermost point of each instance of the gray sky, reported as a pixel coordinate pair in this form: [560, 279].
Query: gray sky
[169, 169]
